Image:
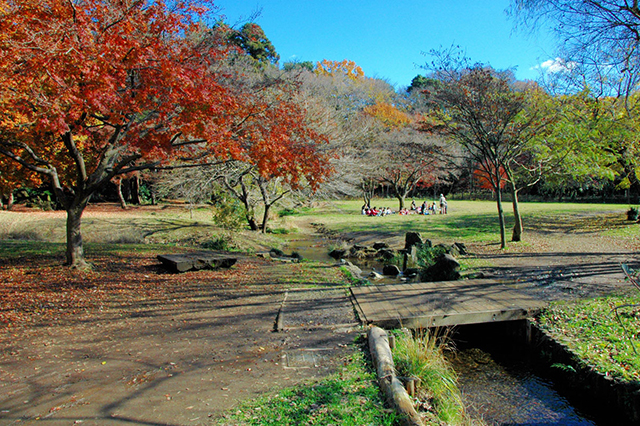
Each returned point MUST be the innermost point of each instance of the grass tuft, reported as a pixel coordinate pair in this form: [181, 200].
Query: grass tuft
[422, 356]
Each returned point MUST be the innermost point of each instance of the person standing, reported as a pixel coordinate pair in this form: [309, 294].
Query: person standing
[443, 204]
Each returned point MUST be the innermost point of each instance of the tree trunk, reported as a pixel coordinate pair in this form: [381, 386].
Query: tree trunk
[265, 218]
[503, 233]
[400, 202]
[10, 201]
[135, 189]
[251, 220]
[75, 250]
[123, 203]
[517, 226]
[366, 198]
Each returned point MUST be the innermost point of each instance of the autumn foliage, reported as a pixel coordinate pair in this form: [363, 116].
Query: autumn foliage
[344, 67]
[389, 115]
[485, 177]
[93, 89]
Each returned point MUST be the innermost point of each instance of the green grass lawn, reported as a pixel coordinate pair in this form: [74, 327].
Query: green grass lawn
[466, 221]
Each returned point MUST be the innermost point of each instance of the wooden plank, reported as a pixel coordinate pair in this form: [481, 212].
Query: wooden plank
[443, 303]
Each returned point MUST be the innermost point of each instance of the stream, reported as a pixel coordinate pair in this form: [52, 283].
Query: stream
[496, 377]
[501, 385]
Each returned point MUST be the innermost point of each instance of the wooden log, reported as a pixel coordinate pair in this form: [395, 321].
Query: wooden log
[195, 261]
[391, 386]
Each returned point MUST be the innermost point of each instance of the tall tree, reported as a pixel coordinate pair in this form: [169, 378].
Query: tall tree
[251, 39]
[598, 41]
[478, 107]
[399, 157]
[598, 54]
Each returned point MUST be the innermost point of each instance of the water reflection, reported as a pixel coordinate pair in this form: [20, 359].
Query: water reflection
[507, 395]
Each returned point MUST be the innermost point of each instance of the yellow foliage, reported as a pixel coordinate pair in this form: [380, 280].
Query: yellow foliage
[388, 114]
[346, 67]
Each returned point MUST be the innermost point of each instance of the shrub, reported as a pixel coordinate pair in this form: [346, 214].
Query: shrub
[229, 214]
[287, 212]
[219, 243]
[427, 256]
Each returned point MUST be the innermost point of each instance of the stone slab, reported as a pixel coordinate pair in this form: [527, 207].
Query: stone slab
[197, 260]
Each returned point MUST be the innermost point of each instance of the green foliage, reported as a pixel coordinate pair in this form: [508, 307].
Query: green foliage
[219, 243]
[632, 213]
[350, 397]
[427, 255]
[280, 231]
[38, 198]
[145, 192]
[229, 213]
[252, 39]
[295, 66]
[564, 367]
[422, 356]
[421, 82]
[353, 280]
[287, 212]
[592, 331]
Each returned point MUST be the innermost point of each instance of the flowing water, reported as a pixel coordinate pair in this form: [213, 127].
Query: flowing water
[498, 380]
[317, 249]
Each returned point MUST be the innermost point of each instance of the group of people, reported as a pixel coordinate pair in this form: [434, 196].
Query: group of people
[376, 211]
[424, 209]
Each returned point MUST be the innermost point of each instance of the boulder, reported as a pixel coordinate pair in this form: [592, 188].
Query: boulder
[411, 272]
[353, 269]
[278, 254]
[197, 260]
[386, 254]
[461, 248]
[338, 253]
[375, 276]
[380, 245]
[357, 251]
[410, 259]
[390, 270]
[412, 239]
[274, 252]
[446, 268]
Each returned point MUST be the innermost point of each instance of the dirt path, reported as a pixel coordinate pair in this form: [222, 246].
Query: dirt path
[564, 264]
[182, 356]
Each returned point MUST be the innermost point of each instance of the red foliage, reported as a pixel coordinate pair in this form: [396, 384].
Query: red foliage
[128, 80]
[484, 177]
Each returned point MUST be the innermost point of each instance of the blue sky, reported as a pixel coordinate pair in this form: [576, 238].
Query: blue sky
[389, 39]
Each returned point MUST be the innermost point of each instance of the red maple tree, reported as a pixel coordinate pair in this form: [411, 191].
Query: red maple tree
[93, 89]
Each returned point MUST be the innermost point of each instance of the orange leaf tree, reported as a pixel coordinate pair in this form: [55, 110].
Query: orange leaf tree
[93, 89]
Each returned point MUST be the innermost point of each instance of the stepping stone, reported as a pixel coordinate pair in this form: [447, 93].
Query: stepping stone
[195, 261]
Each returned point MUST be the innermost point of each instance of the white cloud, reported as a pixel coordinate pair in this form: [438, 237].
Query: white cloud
[556, 65]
